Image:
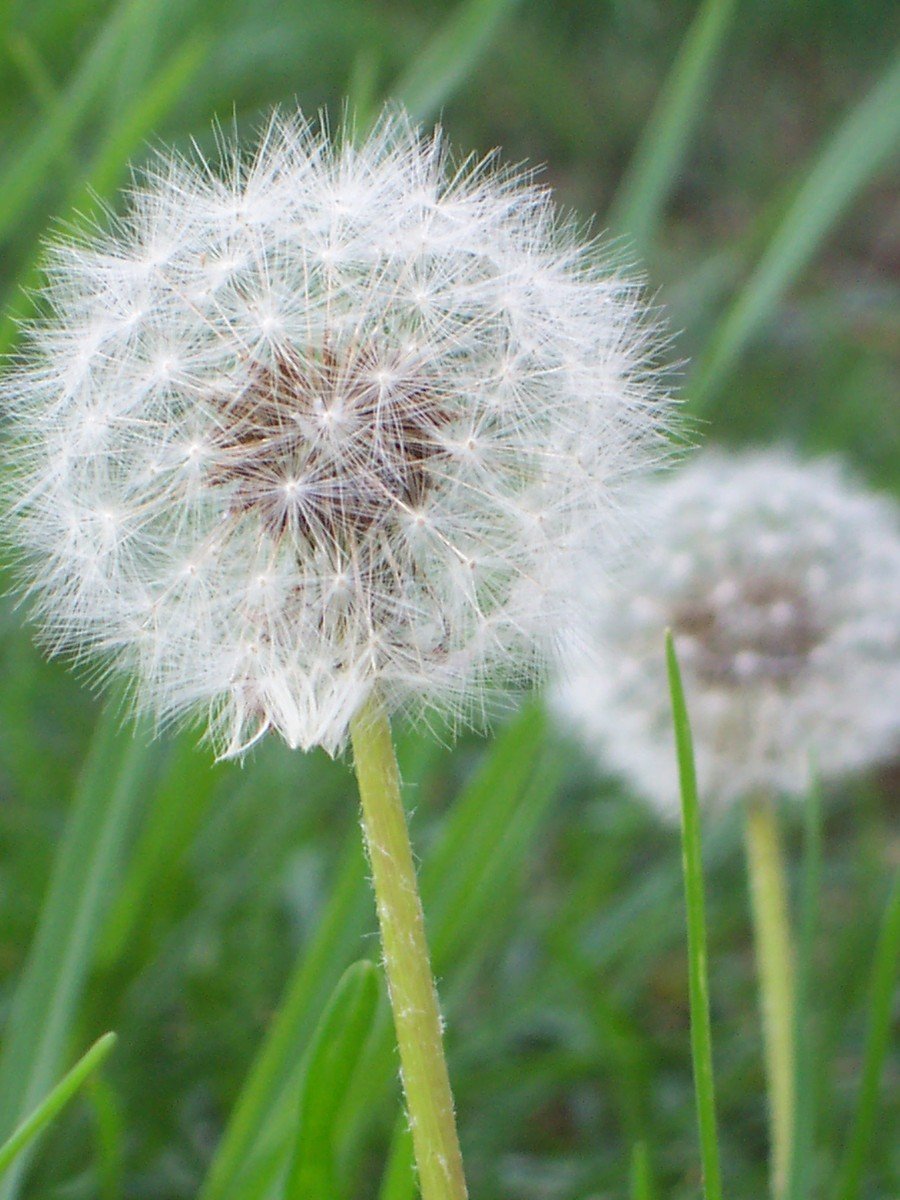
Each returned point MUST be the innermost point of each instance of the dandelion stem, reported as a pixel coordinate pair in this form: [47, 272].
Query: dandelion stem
[411, 986]
[775, 967]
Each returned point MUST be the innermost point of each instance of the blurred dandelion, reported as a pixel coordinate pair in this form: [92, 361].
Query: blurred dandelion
[316, 434]
[781, 583]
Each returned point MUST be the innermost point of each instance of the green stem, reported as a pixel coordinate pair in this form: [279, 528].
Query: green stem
[411, 987]
[775, 966]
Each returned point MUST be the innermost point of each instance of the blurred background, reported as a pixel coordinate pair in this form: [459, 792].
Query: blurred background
[745, 155]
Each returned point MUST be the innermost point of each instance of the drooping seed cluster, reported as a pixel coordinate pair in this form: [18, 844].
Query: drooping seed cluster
[781, 583]
[327, 417]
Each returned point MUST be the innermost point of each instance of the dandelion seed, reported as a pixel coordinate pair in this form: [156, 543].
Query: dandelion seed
[333, 418]
[781, 583]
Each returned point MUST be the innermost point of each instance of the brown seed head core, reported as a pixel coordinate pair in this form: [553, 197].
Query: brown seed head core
[325, 448]
[758, 630]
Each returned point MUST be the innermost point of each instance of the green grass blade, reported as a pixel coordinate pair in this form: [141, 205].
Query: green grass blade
[881, 996]
[619, 1042]
[179, 805]
[23, 172]
[462, 937]
[798, 1183]
[639, 200]
[450, 56]
[641, 1178]
[692, 863]
[271, 1084]
[110, 792]
[129, 128]
[454, 873]
[136, 59]
[847, 163]
[33, 1124]
[333, 1058]
[109, 1138]
[24, 54]
[135, 122]
[399, 1179]
[362, 89]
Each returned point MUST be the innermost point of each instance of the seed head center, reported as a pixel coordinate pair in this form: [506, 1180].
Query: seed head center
[749, 630]
[325, 447]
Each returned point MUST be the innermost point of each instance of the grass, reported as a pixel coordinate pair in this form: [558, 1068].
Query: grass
[745, 156]
[698, 957]
[32, 1125]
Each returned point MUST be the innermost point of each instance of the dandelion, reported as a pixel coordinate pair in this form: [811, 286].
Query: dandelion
[309, 437]
[780, 581]
[328, 421]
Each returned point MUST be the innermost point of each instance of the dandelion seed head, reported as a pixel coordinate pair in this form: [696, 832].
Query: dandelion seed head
[326, 417]
[780, 581]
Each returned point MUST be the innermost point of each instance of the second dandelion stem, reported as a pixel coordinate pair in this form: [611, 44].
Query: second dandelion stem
[406, 961]
[774, 957]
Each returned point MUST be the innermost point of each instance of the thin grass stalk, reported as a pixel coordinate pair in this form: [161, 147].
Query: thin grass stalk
[413, 995]
[641, 1177]
[880, 1006]
[29, 1129]
[638, 203]
[692, 863]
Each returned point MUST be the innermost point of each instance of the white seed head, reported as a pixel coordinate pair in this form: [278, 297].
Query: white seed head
[330, 416]
[781, 583]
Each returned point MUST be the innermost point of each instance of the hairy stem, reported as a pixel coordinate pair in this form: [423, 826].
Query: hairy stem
[411, 987]
[775, 967]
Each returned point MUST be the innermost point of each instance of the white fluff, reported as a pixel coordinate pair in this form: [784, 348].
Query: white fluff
[781, 582]
[325, 417]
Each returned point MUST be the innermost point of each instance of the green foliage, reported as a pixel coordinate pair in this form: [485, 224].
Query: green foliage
[882, 991]
[501, 806]
[333, 1059]
[399, 1181]
[805, 1084]
[846, 164]
[22, 174]
[88, 860]
[263, 1115]
[209, 914]
[443, 64]
[637, 206]
[641, 1179]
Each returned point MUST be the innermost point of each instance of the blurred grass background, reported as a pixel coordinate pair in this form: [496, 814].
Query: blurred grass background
[554, 900]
